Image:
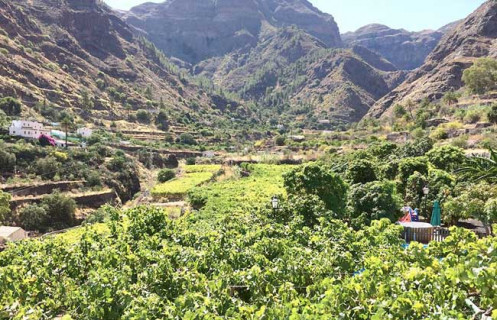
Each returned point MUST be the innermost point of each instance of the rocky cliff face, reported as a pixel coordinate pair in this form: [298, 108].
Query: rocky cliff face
[406, 50]
[53, 50]
[195, 30]
[442, 71]
[292, 69]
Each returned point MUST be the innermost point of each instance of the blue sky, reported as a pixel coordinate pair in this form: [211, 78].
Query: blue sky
[352, 14]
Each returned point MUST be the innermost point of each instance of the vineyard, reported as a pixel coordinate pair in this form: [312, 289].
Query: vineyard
[194, 175]
[250, 264]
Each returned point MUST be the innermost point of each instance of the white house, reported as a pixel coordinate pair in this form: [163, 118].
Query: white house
[8, 234]
[27, 129]
[85, 132]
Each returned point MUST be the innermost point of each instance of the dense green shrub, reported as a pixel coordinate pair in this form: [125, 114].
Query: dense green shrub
[7, 161]
[60, 210]
[166, 175]
[279, 141]
[373, 201]
[47, 168]
[4, 205]
[305, 209]
[143, 116]
[10, 106]
[361, 171]
[188, 139]
[482, 76]
[408, 166]
[446, 157]
[319, 180]
[33, 217]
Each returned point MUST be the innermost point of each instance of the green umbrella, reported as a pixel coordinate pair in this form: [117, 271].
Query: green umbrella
[436, 215]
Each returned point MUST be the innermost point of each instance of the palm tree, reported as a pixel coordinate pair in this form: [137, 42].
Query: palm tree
[480, 168]
[66, 124]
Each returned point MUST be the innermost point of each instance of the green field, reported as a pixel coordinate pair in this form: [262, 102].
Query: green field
[194, 175]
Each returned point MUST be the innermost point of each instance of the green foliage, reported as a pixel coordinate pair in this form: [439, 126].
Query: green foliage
[439, 134]
[47, 168]
[60, 210]
[373, 201]
[143, 116]
[86, 101]
[408, 166]
[399, 111]
[416, 148]
[446, 157]
[414, 190]
[187, 139]
[482, 76]
[319, 180]
[306, 209]
[162, 121]
[492, 114]
[193, 176]
[361, 171]
[480, 168]
[4, 205]
[279, 141]
[166, 175]
[11, 106]
[7, 161]
[33, 217]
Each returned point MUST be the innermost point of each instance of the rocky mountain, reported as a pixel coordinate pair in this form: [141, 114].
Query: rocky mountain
[293, 71]
[195, 30]
[442, 71]
[59, 52]
[406, 50]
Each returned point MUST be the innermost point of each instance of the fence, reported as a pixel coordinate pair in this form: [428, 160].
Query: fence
[425, 235]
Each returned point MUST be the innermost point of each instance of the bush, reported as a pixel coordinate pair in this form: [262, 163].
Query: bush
[60, 210]
[439, 134]
[166, 175]
[191, 161]
[7, 161]
[492, 114]
[33, 217]
[279, 141]
[305, 209]
[361, 171]
[10, 106]
[319, 180]
[408, 166]
[373, 201]
[482, 76]
[47, 168]
[4, 205]
[188, 139]
[446, 157]
[472, 116]
[143, 116]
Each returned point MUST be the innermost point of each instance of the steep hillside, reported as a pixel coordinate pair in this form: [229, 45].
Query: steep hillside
[473, 38]
[293, 73]
[195, 30]
[406, 50]
[79, 56]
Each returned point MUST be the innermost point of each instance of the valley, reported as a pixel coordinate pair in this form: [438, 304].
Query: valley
[244, 159]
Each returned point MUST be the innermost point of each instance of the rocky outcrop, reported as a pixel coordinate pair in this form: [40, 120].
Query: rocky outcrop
[442, 71]
[51, 51]
[406, 50]
[196, 30]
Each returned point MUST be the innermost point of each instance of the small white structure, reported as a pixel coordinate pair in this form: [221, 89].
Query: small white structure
[8, 234]
[58, 134]
[208, 154]
[85, 132]
[27, 129]
[60, 143]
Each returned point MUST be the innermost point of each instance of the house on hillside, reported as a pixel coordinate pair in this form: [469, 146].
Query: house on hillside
[85, 132]
[27, 129]
[11, 234]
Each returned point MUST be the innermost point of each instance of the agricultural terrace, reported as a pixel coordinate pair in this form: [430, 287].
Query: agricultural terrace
[192, 176]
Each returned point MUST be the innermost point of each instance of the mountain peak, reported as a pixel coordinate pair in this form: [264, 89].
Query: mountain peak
[195, 30]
